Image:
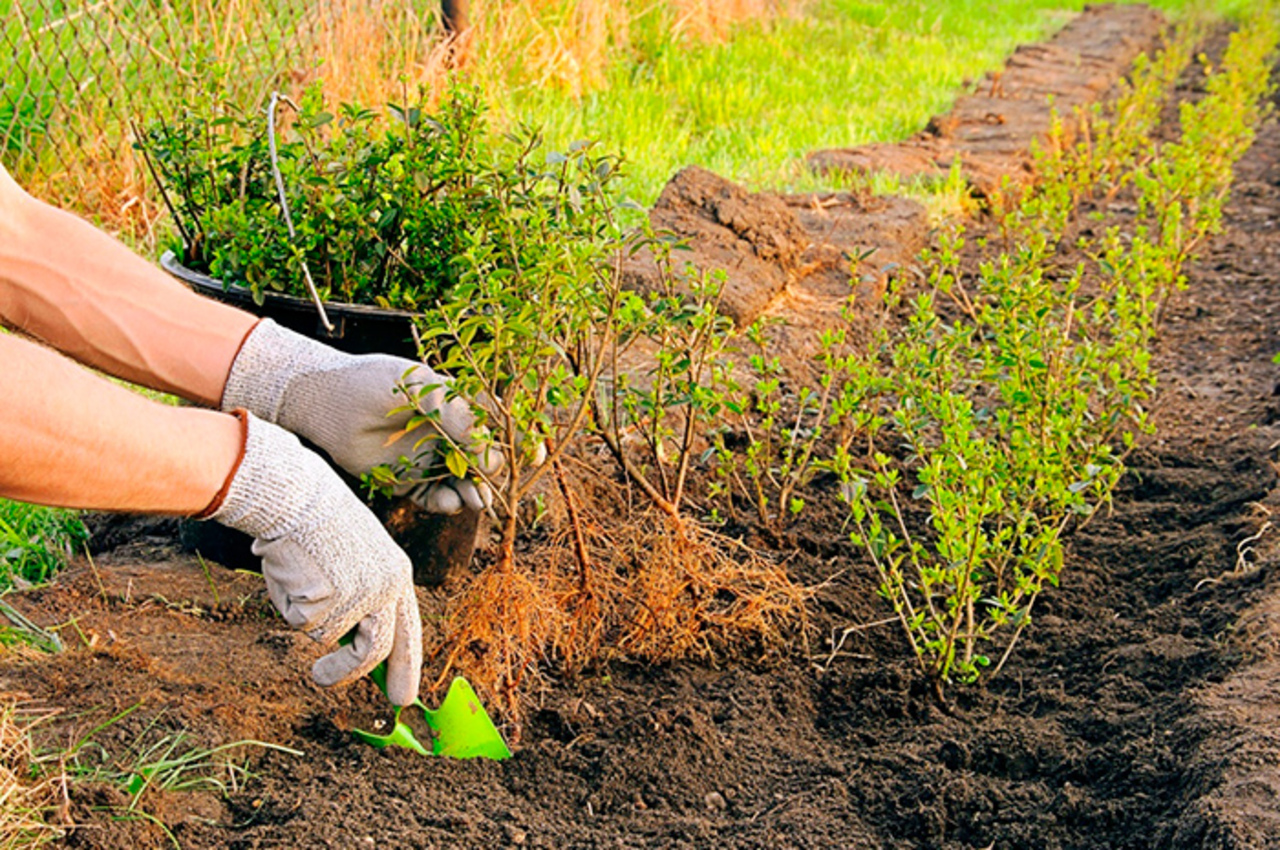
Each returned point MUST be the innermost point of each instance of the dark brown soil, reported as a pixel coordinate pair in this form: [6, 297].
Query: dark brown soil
[1142, 710]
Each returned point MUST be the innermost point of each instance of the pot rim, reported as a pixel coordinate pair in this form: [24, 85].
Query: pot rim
[170, 263]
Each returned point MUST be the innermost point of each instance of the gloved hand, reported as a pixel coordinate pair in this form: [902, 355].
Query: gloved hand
[340, 403]
[329, 564]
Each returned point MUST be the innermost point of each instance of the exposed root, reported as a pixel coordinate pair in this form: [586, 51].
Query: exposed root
[693, 592]
[653, 588]
[1247, 560]
[588, 598]
[497, 633]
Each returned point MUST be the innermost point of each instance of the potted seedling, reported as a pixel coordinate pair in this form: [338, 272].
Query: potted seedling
[342, 225]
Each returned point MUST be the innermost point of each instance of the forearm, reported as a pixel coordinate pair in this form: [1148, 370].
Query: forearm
[71, 439]
[86, 294]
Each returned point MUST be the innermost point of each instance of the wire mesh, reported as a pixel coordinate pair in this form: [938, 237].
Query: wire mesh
[76, 74]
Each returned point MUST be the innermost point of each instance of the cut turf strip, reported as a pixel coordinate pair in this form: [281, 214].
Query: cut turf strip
[991, 131]
[794, 255]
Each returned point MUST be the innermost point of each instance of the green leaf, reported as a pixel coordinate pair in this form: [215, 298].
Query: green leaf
[318, 120]
[457, 464]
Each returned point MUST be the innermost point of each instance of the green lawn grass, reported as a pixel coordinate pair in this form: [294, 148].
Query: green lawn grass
[35, 542]
[844, 73]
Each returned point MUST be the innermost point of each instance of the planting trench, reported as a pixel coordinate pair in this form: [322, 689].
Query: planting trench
[1142, 710]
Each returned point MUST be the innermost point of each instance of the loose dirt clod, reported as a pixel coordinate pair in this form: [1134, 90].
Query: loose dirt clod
[753, 237]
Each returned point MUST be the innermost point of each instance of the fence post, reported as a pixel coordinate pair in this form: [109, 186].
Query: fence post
[455, 15]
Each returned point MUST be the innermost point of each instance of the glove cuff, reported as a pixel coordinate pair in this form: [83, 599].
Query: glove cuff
[269, 359]
[272, 485]
[215, 504]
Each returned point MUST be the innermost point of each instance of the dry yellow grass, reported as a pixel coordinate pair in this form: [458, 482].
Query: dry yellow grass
[713, 20]
[107, 183]
[27, 792]
[369, 52]
[372, 53]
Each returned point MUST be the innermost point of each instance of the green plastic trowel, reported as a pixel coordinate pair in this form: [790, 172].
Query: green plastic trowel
[460, 727]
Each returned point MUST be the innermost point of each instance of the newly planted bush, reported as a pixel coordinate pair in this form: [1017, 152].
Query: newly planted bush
[1182, 190]
[694, 590]
[526, 330]
[524, 333]
[558, 359]
[780, 428]
[666, 407]
[990, 416]
[1114, 137]
[1011, 412]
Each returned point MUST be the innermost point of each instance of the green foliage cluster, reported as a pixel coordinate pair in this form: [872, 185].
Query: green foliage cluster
[1182, 190]
[35, 542]
[382, 204]
[535, 310]
[1013, 408]
[771, 441]
[545, 339]
[664, 412]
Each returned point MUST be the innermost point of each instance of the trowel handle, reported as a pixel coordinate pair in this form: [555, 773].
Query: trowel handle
[379, 673]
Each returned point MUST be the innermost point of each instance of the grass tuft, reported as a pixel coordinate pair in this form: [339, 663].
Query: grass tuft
[35, 542]
[28, 792]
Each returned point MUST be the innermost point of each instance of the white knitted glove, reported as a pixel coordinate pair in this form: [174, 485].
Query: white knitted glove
[329, 564]
[340, 403]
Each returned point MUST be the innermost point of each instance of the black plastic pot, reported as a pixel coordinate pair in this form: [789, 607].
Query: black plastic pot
[357, 328]
[437, 545]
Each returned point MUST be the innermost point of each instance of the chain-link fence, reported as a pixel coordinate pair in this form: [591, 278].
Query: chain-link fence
[75, 74]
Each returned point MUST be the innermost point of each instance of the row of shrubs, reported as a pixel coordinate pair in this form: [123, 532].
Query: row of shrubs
[966, 440]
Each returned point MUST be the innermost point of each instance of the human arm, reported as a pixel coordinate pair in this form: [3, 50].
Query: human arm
[84, 293]
[87, 295]
[70, 438]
